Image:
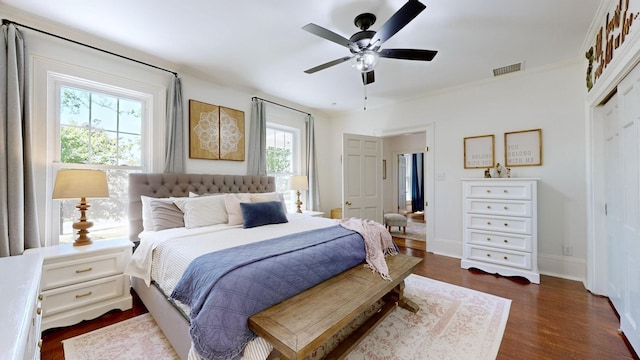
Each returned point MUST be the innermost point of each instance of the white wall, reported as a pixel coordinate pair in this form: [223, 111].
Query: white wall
[549, 98]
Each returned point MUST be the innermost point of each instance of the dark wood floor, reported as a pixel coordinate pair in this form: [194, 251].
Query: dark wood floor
[557, 319]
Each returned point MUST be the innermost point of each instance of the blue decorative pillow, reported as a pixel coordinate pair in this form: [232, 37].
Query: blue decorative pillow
[262, 213]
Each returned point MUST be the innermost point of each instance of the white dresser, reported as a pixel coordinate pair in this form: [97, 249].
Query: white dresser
[84, 282]
[500, 227]
[20, 307]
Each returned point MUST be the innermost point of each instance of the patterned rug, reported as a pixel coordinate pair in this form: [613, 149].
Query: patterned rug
[453, 323]
[415, 231]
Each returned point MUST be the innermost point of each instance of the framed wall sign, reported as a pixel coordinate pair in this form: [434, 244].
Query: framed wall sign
[215, 132]
[478, 152]
[523, 148]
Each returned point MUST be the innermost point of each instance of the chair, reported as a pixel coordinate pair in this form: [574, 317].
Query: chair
[393, 219]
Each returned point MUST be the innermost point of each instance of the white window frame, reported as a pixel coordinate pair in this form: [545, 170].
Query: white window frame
[298, 129]
[51, 74]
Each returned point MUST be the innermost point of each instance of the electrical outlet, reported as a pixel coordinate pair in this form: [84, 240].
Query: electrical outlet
[567, 250]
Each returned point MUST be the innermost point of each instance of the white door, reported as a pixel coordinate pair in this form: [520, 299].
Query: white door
[612, 205]
[362, 177]
[629, 135]
[402, 183]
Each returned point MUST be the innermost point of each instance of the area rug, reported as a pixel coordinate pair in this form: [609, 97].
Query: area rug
[415, 231]
[136, 338]
[453, 323]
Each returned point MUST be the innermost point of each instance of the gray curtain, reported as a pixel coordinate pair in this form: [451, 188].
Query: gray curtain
[257, 155]
[313, 195]
[18, 217]
[175, 154]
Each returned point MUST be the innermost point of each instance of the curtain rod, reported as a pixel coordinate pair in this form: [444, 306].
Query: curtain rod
[7, 22]
[284, 106]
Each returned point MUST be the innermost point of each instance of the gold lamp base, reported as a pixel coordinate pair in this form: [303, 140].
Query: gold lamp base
[298, 203]
[82, 225]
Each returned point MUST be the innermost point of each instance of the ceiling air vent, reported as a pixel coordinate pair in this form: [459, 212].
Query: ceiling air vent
[507, 69]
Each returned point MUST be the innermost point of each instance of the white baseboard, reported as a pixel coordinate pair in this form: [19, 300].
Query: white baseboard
[565, 267]
[445, 247]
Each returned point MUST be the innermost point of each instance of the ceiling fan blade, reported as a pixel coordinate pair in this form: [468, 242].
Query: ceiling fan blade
[329, 35]
[408, 54]
[328, 64]
[368, 77]
[397, 21]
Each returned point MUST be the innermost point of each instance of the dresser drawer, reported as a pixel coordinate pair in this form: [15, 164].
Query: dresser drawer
[57, 274]
[498, 190]
[499, 240]
[498, 207]
[499, 223]
[500, 257]
[75, 296]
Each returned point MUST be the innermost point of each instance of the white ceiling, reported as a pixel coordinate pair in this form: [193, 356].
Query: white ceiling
[259, 45]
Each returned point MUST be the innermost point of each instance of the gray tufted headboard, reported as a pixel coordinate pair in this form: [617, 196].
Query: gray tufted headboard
[173, 184]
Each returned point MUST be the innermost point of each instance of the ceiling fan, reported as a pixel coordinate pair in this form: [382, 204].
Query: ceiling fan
[365, 44]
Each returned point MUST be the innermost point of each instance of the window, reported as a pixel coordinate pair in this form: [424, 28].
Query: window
[283, 159]
[98, 127]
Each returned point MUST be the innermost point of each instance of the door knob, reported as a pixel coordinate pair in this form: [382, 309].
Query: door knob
[348, 202]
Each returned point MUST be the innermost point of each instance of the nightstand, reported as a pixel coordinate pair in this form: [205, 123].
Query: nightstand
[84, 282]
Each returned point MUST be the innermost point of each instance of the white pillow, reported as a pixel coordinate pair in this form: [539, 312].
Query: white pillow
[272, 196]
[147, 218]
[232, 203]
[203, 211]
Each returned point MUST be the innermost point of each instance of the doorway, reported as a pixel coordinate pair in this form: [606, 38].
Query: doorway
[411, 199]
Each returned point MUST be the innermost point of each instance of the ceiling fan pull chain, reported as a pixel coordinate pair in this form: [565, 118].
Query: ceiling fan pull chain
[365, 97]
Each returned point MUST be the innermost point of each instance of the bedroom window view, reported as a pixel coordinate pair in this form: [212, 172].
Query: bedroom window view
[104, 132]
[281, 155]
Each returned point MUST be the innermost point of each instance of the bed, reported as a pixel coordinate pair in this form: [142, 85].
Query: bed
[168, 251]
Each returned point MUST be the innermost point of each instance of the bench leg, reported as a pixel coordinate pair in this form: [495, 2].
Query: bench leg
[398, 294]
[404, 230]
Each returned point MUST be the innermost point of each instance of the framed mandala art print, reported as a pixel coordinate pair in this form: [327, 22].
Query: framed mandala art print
[215, 132]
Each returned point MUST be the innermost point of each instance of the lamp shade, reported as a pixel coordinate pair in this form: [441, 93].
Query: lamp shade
[80, 183]
[299, 183]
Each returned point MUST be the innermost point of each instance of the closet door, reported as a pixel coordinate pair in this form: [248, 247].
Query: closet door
[613, 187]
[629, 254]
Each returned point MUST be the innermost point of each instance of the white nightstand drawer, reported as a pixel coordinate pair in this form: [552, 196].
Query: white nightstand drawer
[498, 190]
[57, 274]
[506, 258]
[497, 207]
[75, 296]
[503, 224]
[499, 240]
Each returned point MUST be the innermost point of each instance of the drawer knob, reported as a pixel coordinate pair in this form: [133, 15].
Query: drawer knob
[506, 208]
[39, 310]
[488, 239]
[40, 343]
[488, 255]
[506, 224]
[83, 295]
[488, 206]
[83, 270]
[488, 190]
[506, 191]
[488, 222]
[506, 241]
[506, 258]
[40, 297]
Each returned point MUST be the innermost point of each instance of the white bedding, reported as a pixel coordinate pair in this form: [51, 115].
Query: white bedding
[163, 256]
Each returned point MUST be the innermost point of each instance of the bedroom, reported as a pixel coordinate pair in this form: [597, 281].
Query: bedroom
[550, 97]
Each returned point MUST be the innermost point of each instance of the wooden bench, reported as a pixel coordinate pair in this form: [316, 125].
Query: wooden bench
[298, 325]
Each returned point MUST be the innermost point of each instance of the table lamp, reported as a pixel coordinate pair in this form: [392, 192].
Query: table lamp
[299, 183]
[83, 184]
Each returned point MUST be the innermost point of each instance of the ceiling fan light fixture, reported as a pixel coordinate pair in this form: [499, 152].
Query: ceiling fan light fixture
[365, 60]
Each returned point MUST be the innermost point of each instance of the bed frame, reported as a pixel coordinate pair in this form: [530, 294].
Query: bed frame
[170, 320]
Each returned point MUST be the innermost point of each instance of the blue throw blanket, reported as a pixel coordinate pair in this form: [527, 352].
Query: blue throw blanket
[226, 287]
